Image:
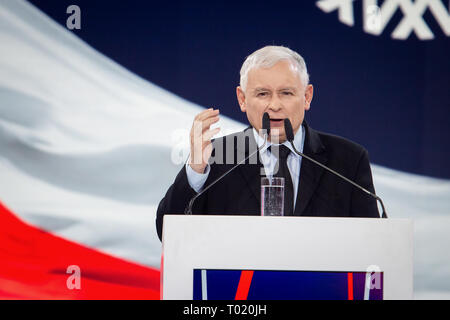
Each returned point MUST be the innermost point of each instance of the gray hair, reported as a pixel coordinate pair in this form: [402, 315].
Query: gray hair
[268, 56]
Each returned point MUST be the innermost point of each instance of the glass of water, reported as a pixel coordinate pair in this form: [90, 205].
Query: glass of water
[272, 196]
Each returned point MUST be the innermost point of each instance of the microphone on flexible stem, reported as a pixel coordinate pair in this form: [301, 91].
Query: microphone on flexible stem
[290, 137]
[266, 132]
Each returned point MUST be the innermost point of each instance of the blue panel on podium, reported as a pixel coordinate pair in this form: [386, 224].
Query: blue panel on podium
[286, 285]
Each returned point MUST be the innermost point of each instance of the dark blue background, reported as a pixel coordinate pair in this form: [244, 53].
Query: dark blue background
[391, 96]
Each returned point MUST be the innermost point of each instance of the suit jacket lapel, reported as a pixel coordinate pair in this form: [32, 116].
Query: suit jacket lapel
[251, 171]
[310, 173]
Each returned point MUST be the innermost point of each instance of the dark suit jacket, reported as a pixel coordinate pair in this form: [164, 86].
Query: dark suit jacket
[320, 193]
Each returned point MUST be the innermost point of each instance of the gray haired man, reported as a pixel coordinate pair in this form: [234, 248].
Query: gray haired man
[274, 80]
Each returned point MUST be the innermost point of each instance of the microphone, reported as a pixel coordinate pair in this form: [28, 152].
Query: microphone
[290, 137]
[266, 132]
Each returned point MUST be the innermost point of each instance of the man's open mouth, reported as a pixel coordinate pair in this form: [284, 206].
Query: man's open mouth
[276, 122]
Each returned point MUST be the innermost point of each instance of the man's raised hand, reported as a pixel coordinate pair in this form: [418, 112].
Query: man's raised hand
[200, 136]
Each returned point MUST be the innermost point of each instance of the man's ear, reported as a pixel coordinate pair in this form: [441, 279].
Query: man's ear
[241, 99]
[309, 92]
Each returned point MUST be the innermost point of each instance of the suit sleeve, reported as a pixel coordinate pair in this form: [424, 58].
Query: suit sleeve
[363, 205]
[175, 200]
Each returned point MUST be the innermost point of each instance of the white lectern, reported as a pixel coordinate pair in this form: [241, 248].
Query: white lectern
[254, 257]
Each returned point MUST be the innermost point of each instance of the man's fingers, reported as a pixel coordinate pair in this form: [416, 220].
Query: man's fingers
[206, 114]
[208, 122]
[207, 135]
[201, 135]
[199, 127]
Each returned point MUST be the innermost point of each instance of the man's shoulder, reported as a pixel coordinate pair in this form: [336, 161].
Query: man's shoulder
[337, 144]
[342, 154]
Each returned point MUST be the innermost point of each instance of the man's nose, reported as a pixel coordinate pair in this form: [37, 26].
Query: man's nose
[275, 104]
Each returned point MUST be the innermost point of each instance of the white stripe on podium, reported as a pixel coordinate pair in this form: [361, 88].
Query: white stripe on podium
[204, 286]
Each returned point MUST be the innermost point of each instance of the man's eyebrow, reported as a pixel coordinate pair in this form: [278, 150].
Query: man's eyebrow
[260, 89]
[288, 88]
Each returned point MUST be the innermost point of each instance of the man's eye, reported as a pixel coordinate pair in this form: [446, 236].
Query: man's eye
[261, 94]
[287, 93]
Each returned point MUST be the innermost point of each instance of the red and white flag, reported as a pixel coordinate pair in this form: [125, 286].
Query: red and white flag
[87, 150]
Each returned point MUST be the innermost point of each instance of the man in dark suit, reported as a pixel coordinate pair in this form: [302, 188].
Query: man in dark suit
[273, 80]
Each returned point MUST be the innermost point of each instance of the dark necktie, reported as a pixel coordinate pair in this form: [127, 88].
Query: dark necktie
[283, 171]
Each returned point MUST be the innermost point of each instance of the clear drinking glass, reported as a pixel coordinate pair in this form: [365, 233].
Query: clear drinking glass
[272, 196]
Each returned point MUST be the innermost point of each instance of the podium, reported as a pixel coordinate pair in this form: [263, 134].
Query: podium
[290, 258]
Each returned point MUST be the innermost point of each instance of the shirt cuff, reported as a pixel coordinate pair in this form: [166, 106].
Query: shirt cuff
[196, 180]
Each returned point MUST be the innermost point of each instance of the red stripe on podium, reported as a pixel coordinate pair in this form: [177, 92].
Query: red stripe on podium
[244, 285]
[350, 286]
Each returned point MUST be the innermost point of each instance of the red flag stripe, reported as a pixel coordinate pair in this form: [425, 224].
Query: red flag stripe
[35, 263]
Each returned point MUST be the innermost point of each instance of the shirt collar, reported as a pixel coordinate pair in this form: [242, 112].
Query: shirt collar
[299, 140]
